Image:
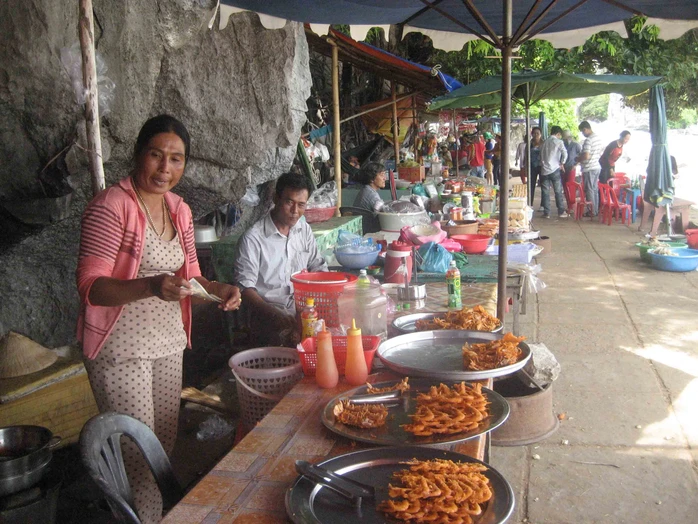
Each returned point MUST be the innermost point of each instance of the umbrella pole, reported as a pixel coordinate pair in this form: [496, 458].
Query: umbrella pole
[455, 134]
[396, 129]
[668, 220]
[504, 183]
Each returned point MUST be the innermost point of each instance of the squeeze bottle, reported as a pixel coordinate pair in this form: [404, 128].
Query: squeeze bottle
[356, 371]
[326, 374]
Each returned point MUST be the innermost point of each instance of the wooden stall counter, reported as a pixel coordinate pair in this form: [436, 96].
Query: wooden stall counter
[249, 484]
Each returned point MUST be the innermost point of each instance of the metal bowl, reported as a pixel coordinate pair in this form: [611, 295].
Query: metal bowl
[408, 323]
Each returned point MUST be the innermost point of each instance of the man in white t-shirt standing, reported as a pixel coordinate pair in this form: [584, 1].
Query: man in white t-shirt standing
[591, 169]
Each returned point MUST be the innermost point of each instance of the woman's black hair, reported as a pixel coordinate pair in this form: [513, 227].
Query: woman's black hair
[294, 181]
[161, 124]
[625, 133]
[370, 172]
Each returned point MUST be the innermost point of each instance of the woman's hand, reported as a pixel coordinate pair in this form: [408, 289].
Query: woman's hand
[229, 294]
[169, 287]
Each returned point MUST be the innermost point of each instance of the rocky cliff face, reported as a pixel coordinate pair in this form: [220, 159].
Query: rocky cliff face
[241, 92]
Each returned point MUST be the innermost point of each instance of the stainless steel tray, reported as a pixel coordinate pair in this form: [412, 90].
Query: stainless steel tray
[308, 502]
[438, 354]
[392, 434]
[408, 323]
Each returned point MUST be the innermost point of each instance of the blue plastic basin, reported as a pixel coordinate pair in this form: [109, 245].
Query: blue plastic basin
[682, 260]
[357, 260]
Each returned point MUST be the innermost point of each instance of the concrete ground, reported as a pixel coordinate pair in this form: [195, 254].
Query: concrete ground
[626, 337]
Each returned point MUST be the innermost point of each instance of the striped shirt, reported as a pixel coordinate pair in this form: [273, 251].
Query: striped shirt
[111, 245]
[594, 147]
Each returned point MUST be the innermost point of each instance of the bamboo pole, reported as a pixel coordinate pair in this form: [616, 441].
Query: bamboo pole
[335, 124]
[396, 128]
[89, 78]
[455, 133]
[415, 122]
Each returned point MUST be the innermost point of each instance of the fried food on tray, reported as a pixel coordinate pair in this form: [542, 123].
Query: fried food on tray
[492, 355]
[477, 319]
[438, 491]
[401, 386]
[444, 410]
[360, 415]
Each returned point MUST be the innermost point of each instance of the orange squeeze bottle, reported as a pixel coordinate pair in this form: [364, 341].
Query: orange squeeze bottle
[326, 374]
[356, 370]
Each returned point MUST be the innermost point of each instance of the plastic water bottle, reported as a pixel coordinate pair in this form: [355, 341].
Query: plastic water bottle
[453, 283]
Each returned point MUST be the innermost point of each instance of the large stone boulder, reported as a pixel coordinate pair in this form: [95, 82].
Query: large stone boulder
[241, 91]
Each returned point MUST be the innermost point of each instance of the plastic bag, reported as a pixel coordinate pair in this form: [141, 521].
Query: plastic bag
[214, 427]
[530, 272]
[348, 242]
[400, 206]
[71, 58]
[323, 196]
[251, 198]
[433, 258]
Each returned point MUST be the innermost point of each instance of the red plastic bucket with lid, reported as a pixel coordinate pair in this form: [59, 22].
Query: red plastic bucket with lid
[323, 286]
[692, 238]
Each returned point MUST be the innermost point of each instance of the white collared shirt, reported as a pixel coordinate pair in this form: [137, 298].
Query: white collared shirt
[266, 260]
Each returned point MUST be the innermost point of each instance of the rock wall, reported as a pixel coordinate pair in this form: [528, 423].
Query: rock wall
[241, 92]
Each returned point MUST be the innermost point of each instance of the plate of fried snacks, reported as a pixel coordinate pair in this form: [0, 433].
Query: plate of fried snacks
[471, 319]
[408, 484]
[429, 412]
[455, 355]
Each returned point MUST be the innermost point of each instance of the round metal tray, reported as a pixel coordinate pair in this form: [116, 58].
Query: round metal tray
[408, 323]
[439, 354]
[308, 502]
[392, 434]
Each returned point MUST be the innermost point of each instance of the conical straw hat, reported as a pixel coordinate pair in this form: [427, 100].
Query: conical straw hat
[20, 355]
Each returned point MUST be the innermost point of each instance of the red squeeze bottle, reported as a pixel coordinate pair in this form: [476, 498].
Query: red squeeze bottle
[326, 374]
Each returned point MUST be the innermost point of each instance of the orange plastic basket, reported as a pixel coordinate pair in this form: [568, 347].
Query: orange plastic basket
[307, 351]
[323, 286]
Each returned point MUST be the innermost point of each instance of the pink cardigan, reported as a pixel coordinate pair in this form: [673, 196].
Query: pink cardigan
[111, 245]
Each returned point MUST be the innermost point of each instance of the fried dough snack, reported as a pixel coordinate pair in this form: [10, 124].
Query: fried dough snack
[360, 415]
[491, 355]
[439, 491]
[476, 318]
[400, 386]
[447, 411]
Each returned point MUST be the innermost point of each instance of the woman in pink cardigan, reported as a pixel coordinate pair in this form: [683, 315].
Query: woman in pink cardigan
[137, 255]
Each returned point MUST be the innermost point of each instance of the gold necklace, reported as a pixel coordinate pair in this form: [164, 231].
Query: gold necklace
[147, 212]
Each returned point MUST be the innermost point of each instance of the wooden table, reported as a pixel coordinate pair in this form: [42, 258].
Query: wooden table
[249, 484]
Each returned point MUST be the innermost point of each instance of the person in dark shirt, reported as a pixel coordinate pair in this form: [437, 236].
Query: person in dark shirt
[610, 156]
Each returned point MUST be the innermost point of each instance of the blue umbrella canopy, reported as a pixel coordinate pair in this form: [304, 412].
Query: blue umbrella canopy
[659, 187]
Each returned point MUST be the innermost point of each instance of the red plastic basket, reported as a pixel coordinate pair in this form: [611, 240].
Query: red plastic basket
[307, 351]
[319, 214]
[323, 286]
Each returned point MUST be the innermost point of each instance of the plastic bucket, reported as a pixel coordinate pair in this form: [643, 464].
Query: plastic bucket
[262, 377]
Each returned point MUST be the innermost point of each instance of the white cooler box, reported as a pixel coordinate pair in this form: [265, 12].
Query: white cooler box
[518, 253]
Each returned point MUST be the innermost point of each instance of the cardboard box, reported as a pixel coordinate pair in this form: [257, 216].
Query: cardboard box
[413, 174]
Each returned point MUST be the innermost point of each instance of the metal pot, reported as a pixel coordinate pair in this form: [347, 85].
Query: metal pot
[25, 453]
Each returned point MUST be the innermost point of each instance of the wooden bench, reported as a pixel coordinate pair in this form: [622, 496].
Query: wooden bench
[678, 207]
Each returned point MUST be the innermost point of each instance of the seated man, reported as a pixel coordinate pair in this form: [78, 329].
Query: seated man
[274, 248]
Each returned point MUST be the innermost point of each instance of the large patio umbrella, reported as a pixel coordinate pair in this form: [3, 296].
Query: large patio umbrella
[451, 23]
[659, 187]
[530, 87]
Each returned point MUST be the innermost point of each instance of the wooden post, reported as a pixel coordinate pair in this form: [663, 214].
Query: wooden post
[396, 127]
[89, 79]
[455, 134]
[415, 122]
[335, 124]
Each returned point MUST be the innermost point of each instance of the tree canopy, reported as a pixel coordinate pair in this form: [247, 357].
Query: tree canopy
[643, 52]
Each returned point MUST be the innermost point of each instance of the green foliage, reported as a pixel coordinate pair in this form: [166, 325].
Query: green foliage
[688, 117]
[641, 53]
[594, 108]
[558, 113]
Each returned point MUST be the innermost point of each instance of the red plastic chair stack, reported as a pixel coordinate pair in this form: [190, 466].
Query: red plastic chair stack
[616, 183]
[579, 202]
[605, 211]
[619, 210]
